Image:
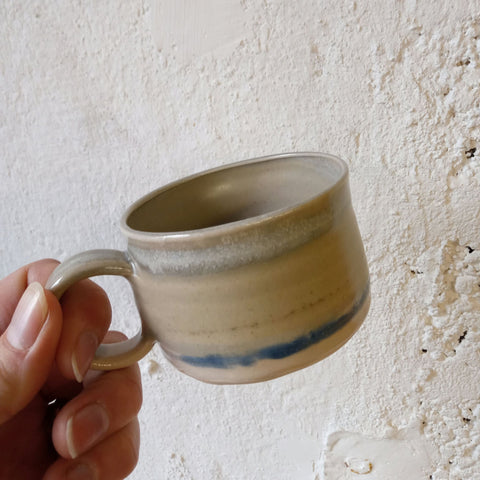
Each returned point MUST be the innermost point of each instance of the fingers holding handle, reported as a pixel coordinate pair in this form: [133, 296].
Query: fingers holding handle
[93, 263]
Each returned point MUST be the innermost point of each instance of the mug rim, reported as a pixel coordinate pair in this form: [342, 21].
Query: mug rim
[235, 226]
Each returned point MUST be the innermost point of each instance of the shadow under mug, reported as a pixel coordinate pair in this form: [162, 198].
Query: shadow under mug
[242, 273]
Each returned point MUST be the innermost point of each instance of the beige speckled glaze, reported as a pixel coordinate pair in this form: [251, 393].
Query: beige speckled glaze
[242, 273]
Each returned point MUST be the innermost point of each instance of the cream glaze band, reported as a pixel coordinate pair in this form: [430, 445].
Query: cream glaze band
[198, 247]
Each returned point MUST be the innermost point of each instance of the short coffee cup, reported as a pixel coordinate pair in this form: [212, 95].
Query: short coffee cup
[242, 273]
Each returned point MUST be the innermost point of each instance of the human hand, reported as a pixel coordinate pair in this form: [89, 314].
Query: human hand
[57, 419]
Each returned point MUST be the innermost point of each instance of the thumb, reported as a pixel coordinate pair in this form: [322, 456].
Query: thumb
[27, 349]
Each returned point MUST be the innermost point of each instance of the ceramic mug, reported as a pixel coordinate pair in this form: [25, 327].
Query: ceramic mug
[242, 273]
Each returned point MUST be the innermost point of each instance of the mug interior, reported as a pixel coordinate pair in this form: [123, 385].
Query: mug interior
[234, 193]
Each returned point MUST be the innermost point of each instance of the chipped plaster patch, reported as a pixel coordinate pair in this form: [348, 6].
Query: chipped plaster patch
[402, 455]
[187, 29]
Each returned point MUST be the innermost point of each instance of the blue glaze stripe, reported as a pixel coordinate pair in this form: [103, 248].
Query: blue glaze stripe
[281, 350]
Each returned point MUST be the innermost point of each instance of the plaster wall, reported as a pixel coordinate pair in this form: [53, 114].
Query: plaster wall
[96, 111]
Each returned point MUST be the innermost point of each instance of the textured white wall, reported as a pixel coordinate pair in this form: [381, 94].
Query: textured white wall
[93, 115]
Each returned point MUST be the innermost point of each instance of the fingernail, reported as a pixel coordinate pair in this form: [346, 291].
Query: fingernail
[80, 472]
[83, 354]
[85, 428]
[29, 318]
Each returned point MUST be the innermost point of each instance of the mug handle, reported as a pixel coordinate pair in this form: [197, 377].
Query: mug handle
[102, 262]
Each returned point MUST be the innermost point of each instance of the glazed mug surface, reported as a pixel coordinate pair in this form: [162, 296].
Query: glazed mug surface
[242, 273]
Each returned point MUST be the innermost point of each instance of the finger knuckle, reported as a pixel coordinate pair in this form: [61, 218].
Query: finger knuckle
[136, 394]
[130, 388]
[127, 453]
[131, 452]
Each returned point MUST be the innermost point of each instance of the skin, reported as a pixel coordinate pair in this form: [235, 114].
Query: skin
[39, 395]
